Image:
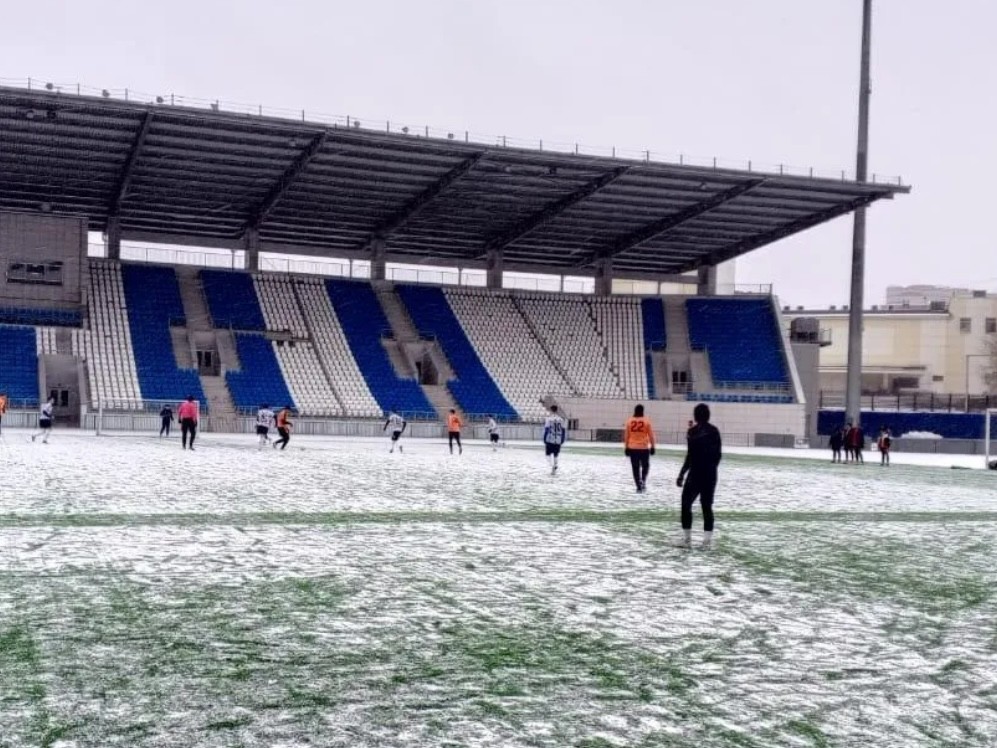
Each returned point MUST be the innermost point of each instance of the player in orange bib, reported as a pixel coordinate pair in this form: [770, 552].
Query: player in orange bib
[284, 426]
[638, 445]
[453, 431]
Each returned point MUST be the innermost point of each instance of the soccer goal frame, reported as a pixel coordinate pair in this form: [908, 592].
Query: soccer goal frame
[989, 434]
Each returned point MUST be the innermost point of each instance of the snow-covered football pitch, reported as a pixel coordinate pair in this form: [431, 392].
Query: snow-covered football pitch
[335, 595]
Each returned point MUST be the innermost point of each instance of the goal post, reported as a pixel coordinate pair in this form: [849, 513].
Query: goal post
[989, 434]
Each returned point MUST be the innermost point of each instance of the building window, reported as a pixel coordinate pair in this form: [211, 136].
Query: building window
[991, 325]
[965, 324]
[40, 273]
[937, 378]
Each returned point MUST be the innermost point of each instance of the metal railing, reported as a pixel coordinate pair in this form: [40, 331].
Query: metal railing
[432, 277]
[922, 401]
[774, 388]
[294, 266]
[154, 255]
[41, 316]
[744, 289]
[448, 134]
[24, 404]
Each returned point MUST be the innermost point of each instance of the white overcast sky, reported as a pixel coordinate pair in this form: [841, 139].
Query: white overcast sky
[770, 80]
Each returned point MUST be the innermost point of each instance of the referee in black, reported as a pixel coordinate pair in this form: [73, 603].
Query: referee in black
[701, 462]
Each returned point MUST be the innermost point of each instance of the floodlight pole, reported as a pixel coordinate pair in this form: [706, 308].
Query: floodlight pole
[853, 390]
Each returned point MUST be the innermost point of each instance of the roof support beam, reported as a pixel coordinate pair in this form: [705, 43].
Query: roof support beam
[604, 276]
[398, 219]
[663, 225]
[552, 211]
[801, 224]
[281, 186]
[125, 178]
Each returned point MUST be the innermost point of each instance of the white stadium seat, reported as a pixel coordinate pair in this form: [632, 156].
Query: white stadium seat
[332, 351]
[107, 345]
[510, 352]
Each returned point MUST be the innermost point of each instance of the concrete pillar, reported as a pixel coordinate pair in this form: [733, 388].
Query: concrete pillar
[706, 284]
[114, 238]
[604, 276]
[252, 239]
[493, 268]
[378, 253]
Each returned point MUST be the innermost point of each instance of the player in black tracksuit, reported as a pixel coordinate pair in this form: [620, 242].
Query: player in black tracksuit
[701, 462]
[166, 420]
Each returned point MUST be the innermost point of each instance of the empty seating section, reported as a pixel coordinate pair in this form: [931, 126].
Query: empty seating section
[334, 352]
[279, 304]
[108, 346]
[508, 349]
[41, 317]
[734, 397]
[153, 297]
[618, 322]
[568, 331]
[742, 341]
[232, 300]
[473, 389]
[48, 341]
[363, 321]
[298, 362]
[19, 365]
[652, 312]
[260, 380]
[305, 379]
[45, 342]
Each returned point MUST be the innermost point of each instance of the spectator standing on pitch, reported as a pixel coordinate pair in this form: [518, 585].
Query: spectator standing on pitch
[264, 420]
[396, 425]
[701, 461]
[555, 432]
[884, 443]
[45, 420]
[284, 426]
[165, 421]
[855, 441]
[846, 436]
[638, 445]
[453, 431]
[188, 414]
[835, 442]
[493, 432]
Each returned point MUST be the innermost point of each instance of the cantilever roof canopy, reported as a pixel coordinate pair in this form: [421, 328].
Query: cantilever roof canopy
[189, 176]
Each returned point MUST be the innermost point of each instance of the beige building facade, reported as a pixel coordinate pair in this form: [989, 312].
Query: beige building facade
[943, 348]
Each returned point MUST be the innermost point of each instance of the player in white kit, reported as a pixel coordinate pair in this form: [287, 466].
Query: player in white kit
[493, 432]
[45, 420]
[555, 432]
[395, 425]
[264, 422]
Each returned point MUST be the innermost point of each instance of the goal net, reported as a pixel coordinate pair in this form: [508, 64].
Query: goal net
[989, 436]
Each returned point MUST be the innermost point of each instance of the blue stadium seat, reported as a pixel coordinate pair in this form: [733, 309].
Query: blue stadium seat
[232, 300]
[473, 389]
[364, 323]
[652, 312]
[260, 380]
[19, 365]
[742, 339]
[41, 317]
[152, 298]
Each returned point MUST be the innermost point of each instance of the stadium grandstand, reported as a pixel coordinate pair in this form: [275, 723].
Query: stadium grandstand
[348, 349]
